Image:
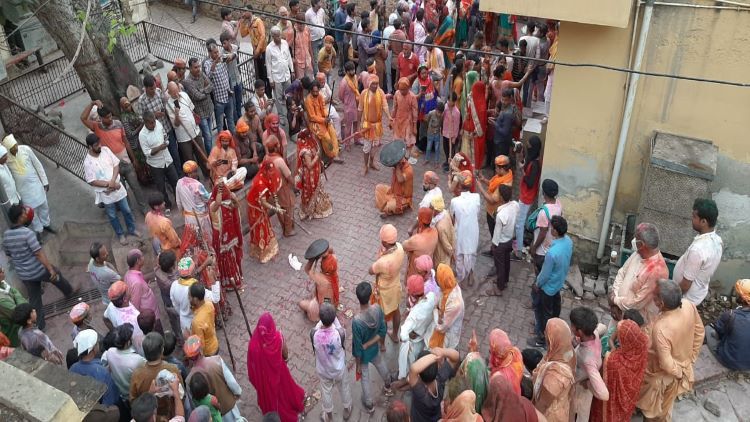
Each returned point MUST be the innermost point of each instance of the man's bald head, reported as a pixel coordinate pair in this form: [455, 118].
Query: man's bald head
[171, 76]
[173, 89]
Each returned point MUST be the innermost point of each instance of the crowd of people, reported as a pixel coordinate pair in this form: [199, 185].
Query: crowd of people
[391, 71]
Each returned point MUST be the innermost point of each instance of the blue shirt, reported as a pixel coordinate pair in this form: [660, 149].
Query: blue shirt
[97, 371]
[339, 21]
[733, 329]
[556, 266]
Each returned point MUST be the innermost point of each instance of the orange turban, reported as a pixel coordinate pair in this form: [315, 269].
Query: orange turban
[424, 216]
[225, 135]
[502, 160]
[242, 127]
[415, 285]
[189, 166]
[403, 83]
[373, 78]
[329, 265]
[117, 290]
[388, 234]
[270, 119]
[467, 177]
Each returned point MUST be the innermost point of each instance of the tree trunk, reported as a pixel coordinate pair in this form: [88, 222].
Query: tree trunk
[105, 75]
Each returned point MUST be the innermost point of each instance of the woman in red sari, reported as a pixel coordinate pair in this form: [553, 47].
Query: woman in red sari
[623, 371]
[476, 118]
[314, 201]
[227, 236]
[267, 370]
[261, 197]
[505, 359]
[204, 256]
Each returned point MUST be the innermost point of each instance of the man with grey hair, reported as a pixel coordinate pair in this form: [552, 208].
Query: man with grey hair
[280, 68]
[635, 283]
[676, 340]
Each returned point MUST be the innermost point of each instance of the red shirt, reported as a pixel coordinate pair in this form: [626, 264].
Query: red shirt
[528, 194]
[407, 67]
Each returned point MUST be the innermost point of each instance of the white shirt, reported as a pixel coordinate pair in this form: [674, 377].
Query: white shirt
[387, 32]
[532, 45]
[392, 17]
[101, 168]
[30, 183]
[466, 209]
[316, 18]
[118, 316]
[9, 186]
[180, 296]
[187, 129]
[429, 196]
[279, 62]
[505, 222]
[698, 264]
[150, 139]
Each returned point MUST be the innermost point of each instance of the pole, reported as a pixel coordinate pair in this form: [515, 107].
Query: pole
[625, 128]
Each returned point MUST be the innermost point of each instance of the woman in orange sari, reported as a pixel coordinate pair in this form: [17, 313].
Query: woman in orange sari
[261, 197]
[314, 201]
[623, 371]
[505, 359]
[475, 124]
[446, 37]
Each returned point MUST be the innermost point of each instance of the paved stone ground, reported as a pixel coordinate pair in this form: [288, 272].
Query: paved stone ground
[353, 233]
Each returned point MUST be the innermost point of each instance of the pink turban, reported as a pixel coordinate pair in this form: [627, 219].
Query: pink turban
[423, 263]
[415, 285]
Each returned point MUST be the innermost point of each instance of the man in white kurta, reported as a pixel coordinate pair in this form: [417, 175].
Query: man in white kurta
[31, 181]
[191, 197]
[465, 210]
[327, 94]
[6, 180]
[416, 330]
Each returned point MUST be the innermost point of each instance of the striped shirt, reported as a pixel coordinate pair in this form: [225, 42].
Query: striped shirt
[154, 104]
[21, 245]
[219, 78]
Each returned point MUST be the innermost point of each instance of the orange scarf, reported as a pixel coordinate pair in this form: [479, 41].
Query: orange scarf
[496, 181]
[353, 86]
[376, 126]
[447, 282]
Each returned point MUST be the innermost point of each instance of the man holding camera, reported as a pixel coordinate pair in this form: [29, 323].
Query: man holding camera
[215, 68]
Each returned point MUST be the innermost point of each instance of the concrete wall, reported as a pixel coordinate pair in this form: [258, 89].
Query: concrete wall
[586, 115]
[598, 12]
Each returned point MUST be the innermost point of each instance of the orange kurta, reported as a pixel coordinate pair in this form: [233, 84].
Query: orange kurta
[405, 113]
[372, 106]
[221, 170]
[494, 191]
[317, 113]
[395, 199]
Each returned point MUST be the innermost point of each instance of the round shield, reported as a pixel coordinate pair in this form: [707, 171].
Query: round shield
[316, 249]
[392, 153]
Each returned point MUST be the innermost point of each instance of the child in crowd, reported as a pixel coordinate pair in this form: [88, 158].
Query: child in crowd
[170, 344]
[199, 392]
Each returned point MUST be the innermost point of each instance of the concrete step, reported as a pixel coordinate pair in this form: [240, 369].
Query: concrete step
[74, 251]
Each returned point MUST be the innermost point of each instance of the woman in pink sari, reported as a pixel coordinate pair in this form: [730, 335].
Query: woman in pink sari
[266, 367]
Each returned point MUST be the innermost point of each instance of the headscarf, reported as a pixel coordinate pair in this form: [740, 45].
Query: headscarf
[466, 178]
[462, 409]
[18, 163]
[446, 280]
[388, 234]
[270, 119]
[3, 151]
[192, 346]
[225, 134]
[330, 267]
[560, 354]
[424, 216]
[623, 374]
[471, 78]
[79, 312]
[269, 374]
[506, 359]
[403, 83]
[242, 127]
[423, 263]
[186, 267]
[474, 370]
[503, 404]
[438, 204]
[502, 160]
[415, 285]
[117, 290]
[189, 166]
[742, 287]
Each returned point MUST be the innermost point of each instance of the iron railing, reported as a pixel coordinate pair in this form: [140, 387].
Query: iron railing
[37, 132]
[36, 87]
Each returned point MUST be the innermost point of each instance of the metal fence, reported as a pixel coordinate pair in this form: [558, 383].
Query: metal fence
[49, 140]
[36, 87]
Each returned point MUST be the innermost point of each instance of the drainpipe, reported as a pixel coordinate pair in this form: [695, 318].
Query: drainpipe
[625, 127]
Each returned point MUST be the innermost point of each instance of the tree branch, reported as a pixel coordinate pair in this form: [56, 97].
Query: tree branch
[72, 61]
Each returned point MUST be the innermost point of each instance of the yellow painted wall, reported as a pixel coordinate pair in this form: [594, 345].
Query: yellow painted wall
[585, 121]
[598, 12]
